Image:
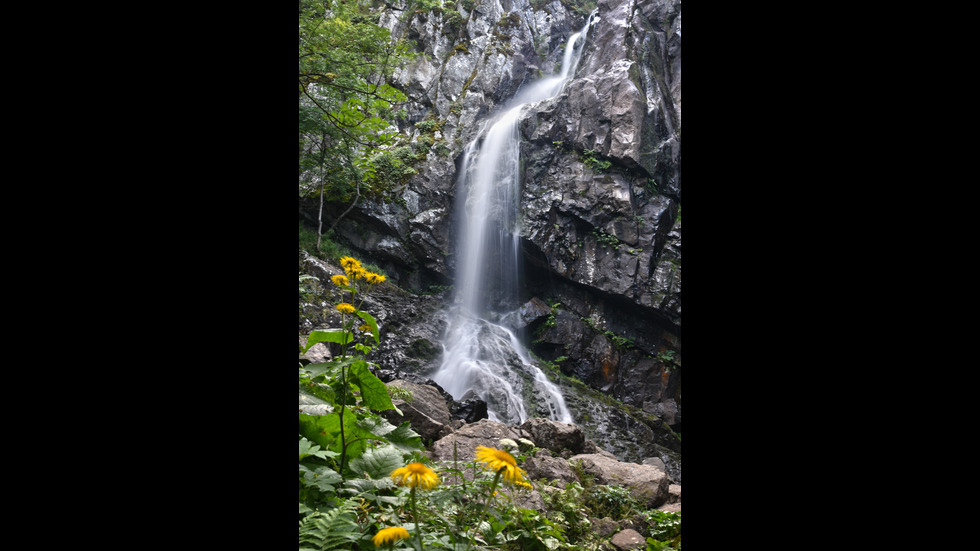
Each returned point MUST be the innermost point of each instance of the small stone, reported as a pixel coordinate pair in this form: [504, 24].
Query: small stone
[628, 539]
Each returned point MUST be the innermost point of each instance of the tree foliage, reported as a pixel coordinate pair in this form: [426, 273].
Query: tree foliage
[346, 105]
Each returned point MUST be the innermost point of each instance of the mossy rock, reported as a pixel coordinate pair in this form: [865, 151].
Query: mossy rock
[422, 349]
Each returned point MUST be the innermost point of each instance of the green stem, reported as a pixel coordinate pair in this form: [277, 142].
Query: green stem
[343, 402]
[343, 324]
[418, 525]
[493, 487]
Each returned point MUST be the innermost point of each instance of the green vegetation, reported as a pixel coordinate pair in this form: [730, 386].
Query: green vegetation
[580, 7]
[329, 249]
[606, 240]
[365, 483]
[625, 343]
[346, 107]
[666, 532]
[595, 161]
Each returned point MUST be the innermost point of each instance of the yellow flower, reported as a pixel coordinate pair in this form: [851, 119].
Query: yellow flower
[349, 263]
[340, 280]
[415, 474]
[365, 328]
[345, 308]
[389, 535]
[502, 462]
[372, 278]
[357, 272]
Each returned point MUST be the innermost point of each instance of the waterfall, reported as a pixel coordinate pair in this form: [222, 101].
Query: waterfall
[483, 356]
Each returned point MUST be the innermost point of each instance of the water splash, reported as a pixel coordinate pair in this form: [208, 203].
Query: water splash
[483, 357]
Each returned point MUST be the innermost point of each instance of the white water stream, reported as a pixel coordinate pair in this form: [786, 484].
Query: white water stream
[483, 357]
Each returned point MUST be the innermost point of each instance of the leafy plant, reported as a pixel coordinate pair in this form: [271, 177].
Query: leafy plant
[330, 529]
[595, 161]
[346, 438]
[604, 239]
[615, 502]
[565, 508]
[618, 341]
[364, 483]
[666, 531]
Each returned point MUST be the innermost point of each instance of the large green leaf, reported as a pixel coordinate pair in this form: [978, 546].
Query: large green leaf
[338, 336]
[374, 393]
[372, 323]
[378, 462]
[323, 430]
[307, 448]
[321, 477]
[330, 369]
[405, 439]
[376, 425]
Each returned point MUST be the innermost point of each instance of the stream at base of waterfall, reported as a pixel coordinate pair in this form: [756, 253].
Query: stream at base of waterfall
[483, 356]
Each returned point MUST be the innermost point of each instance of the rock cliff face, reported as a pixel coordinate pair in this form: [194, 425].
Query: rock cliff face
[600, 209]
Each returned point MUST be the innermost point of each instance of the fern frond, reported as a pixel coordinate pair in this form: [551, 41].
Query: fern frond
[331, 529]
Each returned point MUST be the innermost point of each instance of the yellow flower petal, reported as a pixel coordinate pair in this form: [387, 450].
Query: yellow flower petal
[415, 475]
[345, 308]
[340, 280]
[502, 462]
[388, 535]
[349, 263]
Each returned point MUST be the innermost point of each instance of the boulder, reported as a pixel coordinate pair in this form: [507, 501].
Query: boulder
[482, 433]
[532, 311]
[550, 468]
[427, 411]
[604, 527]
[469, 410]
[318, 353]
[591, 447]
[648, 484]
[655, 462]
[554, 435]
[628, 539]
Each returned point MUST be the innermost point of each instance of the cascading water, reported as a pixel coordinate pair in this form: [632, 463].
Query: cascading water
[483, 357]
